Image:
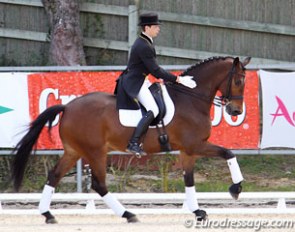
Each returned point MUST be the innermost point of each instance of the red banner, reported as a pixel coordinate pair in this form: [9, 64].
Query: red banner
[47, 89]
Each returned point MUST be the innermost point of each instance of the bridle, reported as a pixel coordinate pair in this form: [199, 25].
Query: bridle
[225, 99]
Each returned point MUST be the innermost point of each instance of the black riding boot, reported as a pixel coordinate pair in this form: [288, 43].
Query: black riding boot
[142, 127]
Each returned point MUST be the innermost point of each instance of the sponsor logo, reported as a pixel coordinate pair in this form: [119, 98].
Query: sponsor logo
[282, 111]
[4, 110]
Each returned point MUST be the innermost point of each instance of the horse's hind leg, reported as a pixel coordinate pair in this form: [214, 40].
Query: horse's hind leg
[98, 168]
[188, 163]
[61, 168]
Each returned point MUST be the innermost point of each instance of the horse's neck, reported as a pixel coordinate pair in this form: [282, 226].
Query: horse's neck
[190, 100]
[208, 79]
[208, 82]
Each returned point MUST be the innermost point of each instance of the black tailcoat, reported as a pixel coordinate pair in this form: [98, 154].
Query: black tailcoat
[142, 62]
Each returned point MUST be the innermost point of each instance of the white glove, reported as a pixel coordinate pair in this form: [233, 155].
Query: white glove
[187, 81]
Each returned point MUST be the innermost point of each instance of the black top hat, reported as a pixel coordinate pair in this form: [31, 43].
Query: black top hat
[148, 19]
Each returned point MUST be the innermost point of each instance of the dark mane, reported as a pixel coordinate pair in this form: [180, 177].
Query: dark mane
[204, 62]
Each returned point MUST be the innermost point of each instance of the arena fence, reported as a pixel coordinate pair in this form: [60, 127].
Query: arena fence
[277, 199]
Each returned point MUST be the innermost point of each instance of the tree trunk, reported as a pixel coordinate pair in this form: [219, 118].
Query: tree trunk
[66, 47]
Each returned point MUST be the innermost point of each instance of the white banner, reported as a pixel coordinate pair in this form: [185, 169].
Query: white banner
[278, 102]
[14, 108]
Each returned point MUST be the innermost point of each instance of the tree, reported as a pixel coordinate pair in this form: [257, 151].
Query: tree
[66, 47]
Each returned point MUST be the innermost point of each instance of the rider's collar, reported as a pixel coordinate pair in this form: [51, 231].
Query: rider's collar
[147, 37]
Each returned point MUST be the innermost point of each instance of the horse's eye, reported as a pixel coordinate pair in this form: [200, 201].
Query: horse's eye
[238, 82]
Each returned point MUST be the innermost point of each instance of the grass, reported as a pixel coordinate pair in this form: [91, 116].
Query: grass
[261, 173]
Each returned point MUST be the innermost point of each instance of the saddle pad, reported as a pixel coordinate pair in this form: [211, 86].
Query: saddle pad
[130, 118]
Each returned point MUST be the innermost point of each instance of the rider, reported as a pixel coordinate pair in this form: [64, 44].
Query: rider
[132, 88]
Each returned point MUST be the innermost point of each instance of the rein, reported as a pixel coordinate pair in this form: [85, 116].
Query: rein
[182, 89]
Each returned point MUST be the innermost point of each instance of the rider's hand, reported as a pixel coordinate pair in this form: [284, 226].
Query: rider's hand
[187, 81]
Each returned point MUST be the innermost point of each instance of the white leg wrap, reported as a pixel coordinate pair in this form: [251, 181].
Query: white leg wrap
[45, 201]
[114, 204]
[191, 198]
[235, 170]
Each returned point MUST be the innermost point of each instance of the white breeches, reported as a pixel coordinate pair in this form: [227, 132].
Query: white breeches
[147, 100]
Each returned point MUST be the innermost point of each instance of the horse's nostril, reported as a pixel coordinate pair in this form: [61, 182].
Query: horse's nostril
[236, 112]
[232, 111]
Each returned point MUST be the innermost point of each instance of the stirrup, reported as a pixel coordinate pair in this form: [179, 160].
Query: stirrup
[136, 149]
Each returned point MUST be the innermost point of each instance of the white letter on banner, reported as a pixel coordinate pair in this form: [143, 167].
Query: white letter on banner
[43, 102]
[240, 118]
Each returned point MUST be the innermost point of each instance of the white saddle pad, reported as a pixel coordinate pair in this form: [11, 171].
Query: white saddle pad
[130, 118]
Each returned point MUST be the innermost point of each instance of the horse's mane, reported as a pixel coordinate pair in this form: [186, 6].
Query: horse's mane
[204, 62]
[195, 70]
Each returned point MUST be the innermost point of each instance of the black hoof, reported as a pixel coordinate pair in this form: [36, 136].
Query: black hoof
[131, 218]
[201, 215]
[50, 219]
[235, 190]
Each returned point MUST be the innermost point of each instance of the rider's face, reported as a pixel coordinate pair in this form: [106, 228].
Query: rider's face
[152, 30]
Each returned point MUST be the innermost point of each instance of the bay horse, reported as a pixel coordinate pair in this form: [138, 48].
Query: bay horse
[89, 128]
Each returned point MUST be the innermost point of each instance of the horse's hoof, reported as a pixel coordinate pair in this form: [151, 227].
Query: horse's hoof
[201, 215]
[132, 219]
[51, 221]
[235, 190]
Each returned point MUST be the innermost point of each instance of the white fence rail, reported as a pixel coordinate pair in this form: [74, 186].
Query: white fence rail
[91, 199]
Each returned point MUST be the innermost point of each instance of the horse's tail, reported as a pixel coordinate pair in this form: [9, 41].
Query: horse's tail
[25, 146]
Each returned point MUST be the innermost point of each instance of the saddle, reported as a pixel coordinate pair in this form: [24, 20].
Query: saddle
[166, 112]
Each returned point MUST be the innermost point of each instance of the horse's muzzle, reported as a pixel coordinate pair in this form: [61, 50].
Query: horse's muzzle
[233, 110]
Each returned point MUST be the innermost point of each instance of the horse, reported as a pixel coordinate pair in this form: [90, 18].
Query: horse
[89, 128]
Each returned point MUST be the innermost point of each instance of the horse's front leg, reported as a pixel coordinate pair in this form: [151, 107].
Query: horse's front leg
[212, 150]
[188, 163]
[236, 188]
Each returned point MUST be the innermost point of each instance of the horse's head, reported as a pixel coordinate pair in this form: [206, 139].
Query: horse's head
[233, 87]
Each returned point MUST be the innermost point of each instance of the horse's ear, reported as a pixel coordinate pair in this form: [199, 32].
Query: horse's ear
[236, 60]
[246, 61]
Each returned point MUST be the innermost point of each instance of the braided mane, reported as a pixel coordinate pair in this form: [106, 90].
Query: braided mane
[204, 62]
